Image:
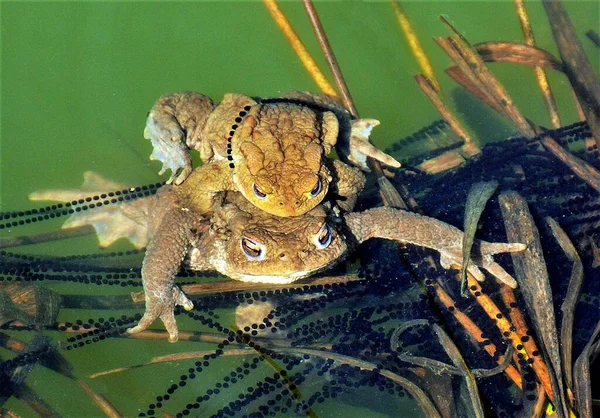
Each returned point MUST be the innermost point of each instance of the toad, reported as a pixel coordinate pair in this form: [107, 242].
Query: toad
[273, 151]
[247, 244]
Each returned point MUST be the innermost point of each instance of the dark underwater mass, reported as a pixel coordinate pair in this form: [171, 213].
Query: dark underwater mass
[369, 340]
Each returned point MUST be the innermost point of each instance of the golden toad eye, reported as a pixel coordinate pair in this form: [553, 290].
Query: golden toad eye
[324, 237]
[316, 190]
[258, 193]
[253, 249]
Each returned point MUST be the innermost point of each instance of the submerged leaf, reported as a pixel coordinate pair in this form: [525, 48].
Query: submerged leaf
[516, 53]
[479, 194]
[570, 301]
[452, 350]
[530, 267]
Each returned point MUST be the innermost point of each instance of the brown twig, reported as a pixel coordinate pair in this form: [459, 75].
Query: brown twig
[581, 168]
[581, 375]
[175, 357]
[428, 87]
[490, 90]
[457, 359]
[540, 402]
[47, 236]
[30, 398]
[237, 286]
[11, 343]
[301, 51]
[506, 328]
[5, 413]
[540, 75]
[313, 16]
[516, 53]
[476, 67]
[18, 346]
[468, 82]
[517, 318]
[442, 163]
[477, 88]
[107, 408]
[415, 44]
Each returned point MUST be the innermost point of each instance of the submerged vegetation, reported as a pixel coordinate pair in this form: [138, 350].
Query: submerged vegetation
[390, 331]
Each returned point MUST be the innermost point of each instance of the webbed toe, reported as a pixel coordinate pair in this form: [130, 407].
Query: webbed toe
[128, 219]
[169, 148]
[361, 148]
[163, 307]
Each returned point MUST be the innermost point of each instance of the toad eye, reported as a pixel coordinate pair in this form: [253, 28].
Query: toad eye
[258, 192]
[323, 238]
[253, 249]
[316, 190]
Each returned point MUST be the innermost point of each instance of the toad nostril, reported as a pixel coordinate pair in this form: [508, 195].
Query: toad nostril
[282, 256]
[280, 203]
[297, 203]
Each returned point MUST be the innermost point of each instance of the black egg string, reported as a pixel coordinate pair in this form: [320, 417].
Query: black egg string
[212, 324]
[295, 310]
[22, 267]
[537, 178]
[200, 365]
[274, 388]
[341, 328]
[231, 379]
[75, 206]
[65, 264]
[475, 312]
[263, 389]
[436, 128]
[23, 272]
[238, 120]
[355, 321]
[95, 330]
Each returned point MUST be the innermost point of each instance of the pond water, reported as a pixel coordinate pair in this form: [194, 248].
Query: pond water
[77, 81]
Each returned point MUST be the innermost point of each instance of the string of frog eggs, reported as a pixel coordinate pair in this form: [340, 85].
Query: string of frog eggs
[25, 268]
[304, 334]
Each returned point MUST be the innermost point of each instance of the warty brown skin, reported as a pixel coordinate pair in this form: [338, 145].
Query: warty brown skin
[216, 246]
[290, 248]
[272, 151]
[412, 228]
[172, 228]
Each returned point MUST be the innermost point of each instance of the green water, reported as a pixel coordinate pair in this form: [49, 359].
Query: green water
[78, 78]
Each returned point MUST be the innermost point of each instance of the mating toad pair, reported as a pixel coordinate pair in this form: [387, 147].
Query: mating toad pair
[268, 205]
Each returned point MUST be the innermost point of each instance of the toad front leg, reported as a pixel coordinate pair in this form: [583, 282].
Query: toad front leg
[347, 183]
[167, 248]
[174, 126]
[412, 228]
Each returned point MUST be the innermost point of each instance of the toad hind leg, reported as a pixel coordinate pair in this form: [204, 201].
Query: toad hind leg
[168, 246]
[431, 233]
